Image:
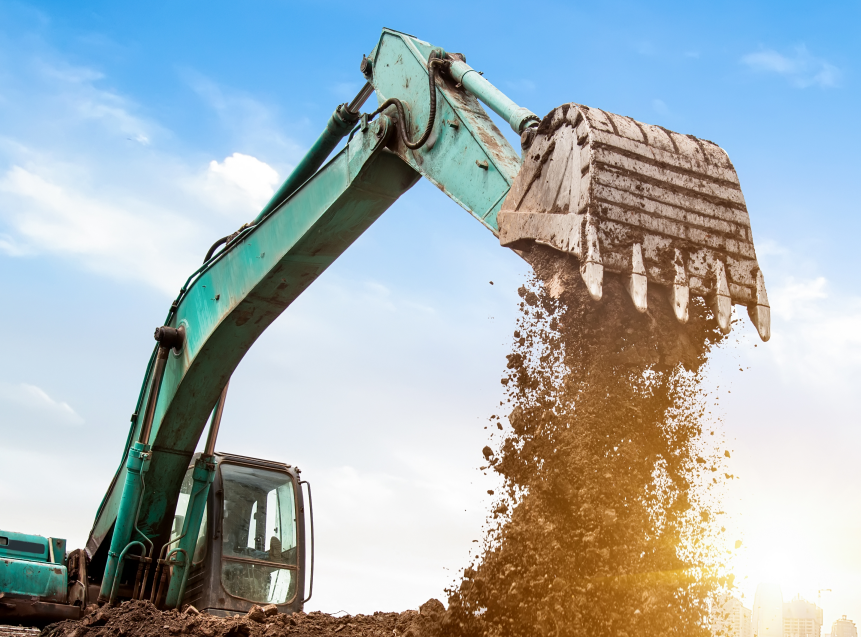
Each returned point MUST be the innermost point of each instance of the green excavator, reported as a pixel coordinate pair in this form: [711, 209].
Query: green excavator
[225, 532]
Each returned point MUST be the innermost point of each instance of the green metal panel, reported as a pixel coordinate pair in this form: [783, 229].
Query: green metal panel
[58, 550]
[24, 546]
[463, 137]
[47, 581]
[239, 295]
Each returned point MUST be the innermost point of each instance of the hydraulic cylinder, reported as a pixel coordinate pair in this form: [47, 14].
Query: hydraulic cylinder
[136, 466]
[340, 124]
[202, 476]
[519, 118]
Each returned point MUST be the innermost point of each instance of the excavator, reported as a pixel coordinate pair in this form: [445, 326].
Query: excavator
[607, 193]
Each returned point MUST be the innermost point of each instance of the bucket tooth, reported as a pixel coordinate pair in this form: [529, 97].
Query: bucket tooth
[680, 293]
[722, 301]
[591, 267]
[760, 311]
[636, 282]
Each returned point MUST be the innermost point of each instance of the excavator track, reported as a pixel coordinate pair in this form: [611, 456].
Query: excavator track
[642, 201]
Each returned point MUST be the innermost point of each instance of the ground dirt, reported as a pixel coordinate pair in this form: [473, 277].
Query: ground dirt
[17, 631]
[142, 619]
[607, 523]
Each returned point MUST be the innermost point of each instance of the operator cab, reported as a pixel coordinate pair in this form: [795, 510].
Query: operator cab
[250, 549]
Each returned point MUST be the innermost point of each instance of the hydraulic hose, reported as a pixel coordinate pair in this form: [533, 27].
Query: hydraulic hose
[215, 247]
[394, 101]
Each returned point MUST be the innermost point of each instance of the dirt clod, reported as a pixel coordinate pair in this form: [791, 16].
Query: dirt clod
[256, 614]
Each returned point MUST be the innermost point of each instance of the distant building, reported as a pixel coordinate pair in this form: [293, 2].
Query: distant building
[844, 628]
[802, 619]
[767, 620]
[732, 619]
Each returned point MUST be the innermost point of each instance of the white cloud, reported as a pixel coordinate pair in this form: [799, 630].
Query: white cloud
[251, 123]
[12, 247]
[801, 68]
[242, 179]
[797, 297]
[26, 404]
[75, 90]
[126, 240]
[74, 187]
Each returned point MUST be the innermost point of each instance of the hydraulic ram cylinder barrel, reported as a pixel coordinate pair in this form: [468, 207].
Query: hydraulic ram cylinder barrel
[340, 124]
[136, 466]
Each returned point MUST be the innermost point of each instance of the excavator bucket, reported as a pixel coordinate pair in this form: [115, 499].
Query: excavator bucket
[649, 204]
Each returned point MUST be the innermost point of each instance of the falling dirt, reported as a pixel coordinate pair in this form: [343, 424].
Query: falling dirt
[607, 524]
[608, 520]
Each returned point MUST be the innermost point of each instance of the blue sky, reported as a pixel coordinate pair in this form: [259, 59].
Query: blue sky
[132, 136]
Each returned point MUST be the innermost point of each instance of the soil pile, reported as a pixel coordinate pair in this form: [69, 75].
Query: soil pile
[607, 523]
[142, 619]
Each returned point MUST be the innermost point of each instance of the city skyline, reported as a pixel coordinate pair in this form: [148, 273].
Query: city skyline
[771, 616]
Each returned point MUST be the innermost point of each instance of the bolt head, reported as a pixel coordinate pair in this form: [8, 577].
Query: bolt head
[527, 137]
[365, 66]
